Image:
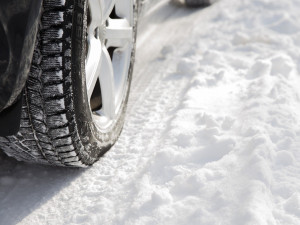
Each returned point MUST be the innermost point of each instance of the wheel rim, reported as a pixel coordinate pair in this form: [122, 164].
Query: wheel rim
[109, 49]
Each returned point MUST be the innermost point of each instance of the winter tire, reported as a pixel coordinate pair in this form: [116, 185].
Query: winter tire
[75, 98]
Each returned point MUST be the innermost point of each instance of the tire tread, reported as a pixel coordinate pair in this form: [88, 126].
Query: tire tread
[45, 136]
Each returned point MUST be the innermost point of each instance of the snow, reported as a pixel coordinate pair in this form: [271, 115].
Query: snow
[212, 130]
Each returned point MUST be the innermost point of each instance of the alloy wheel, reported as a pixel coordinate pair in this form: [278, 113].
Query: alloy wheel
[109, 47]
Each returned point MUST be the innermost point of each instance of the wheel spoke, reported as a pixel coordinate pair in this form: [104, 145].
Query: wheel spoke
[123, 9]
[96, 17]
[107, 83]
[93, 59]
[118, 33]
[107, 7]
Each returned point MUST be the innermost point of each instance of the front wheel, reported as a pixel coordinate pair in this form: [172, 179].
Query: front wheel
[76, 95]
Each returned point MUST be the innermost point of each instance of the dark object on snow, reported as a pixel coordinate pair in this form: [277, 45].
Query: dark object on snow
[197, 3]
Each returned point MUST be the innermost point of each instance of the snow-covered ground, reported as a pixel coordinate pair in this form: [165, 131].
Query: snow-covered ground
[212, 133]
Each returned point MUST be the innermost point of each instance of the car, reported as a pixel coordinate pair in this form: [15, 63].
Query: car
[66, 70]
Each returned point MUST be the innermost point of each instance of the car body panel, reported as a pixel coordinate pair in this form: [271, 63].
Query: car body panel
[18, 27]
[19, 21]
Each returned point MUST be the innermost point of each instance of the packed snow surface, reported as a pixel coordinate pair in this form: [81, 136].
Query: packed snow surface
[212, 134]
